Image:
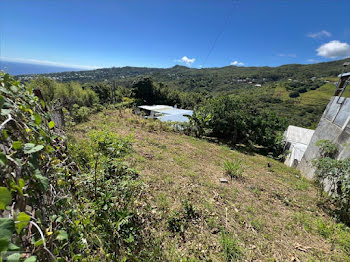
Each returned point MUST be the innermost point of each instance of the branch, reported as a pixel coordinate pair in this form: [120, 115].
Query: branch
[43, 238]
[6, 121]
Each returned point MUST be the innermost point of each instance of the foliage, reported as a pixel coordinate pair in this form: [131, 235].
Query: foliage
[33, 167]
[230, 247]
[294, 94]
[109, 188]
[233, 168]
[66, 94]
[179, 221]
[238, 120]
[327, 148]
[199, 123]
[59, 204]
[333, 177]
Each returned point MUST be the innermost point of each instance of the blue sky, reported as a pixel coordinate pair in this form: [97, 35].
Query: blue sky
[162, 33]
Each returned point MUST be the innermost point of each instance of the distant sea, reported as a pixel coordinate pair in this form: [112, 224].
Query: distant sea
[14, 68]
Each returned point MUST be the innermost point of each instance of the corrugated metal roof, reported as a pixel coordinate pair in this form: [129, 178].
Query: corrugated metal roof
[169, 113]
[344, 74]
[156, 108]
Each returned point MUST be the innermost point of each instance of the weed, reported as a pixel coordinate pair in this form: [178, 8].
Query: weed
[231, 249]
[163, 202]
[233, 169]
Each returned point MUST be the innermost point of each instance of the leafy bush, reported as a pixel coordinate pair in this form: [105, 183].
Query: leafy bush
[294, 94]
[239, 121]
[327, 148]
[233, 168]
[34, 179]
[199, 123]
[333, 176]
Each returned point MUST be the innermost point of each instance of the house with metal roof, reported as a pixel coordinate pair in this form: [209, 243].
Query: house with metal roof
[165, 113]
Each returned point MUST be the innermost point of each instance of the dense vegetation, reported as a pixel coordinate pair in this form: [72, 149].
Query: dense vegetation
[333, 178]
[57, 201]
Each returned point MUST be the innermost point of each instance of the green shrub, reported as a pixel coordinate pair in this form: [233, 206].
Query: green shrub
[294, 94]
[333, 176]
[233, 168]
[327, 148]
[231, 249]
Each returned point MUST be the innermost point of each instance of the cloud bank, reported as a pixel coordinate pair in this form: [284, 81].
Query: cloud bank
[43, 62]
[334, 49]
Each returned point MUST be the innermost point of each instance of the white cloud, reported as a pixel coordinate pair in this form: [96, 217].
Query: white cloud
[320, 34]
[236, 63]
[43, 62]
[312, 60]
[186, 60]
[288, 55]
[334, 49]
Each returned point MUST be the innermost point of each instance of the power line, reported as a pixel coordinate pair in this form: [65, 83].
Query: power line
[228, 18]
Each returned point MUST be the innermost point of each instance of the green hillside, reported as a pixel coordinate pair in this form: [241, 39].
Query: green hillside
[206, 79]
[269, 214]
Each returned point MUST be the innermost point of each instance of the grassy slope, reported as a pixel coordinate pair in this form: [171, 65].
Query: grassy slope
[271, 212]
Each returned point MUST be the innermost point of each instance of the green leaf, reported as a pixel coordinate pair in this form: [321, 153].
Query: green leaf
[4, 244]
[2, 101]
[14, 257]
[13, 247]
[51, 124]
[22, 221]
[17, 145]
[37, 119]
[42, 103]
[30, 259]
[21, 183]
[3, 159]
[14, 89]
[5, 112]
[6, 228]
[62, 235]
[44, 181]
[5, 198]
[30, 148]
[39, 243]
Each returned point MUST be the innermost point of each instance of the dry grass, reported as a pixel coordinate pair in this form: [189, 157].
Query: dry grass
[270, 211]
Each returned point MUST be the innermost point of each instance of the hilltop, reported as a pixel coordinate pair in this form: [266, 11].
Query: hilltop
[269, 214]
[205, 79]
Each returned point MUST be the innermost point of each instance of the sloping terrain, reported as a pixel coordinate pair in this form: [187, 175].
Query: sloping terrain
[270, 214]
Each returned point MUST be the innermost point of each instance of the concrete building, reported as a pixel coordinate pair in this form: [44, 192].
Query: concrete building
[297, 140]
[333, 126]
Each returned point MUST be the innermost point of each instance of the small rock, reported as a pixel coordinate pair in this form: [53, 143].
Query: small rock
[215, 231]
[251, 187]
[223, 180]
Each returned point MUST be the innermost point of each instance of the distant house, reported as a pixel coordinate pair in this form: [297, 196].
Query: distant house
[165, 113]
[297, 140]
[258, 85]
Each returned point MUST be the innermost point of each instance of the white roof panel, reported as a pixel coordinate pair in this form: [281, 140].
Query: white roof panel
[298, 135]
